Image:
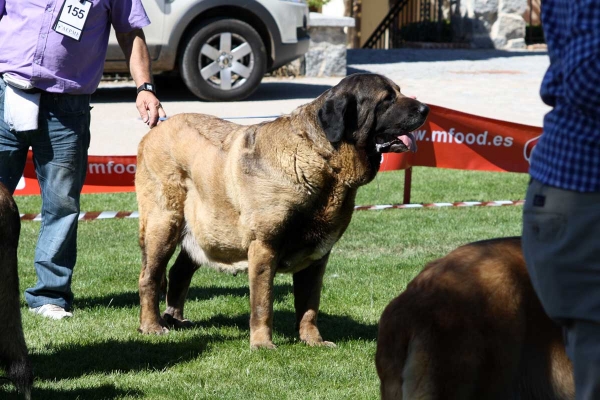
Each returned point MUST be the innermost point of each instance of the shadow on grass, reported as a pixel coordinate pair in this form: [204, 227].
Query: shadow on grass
[74, 361]
[196, 293]
[333, 328]
[97, 393]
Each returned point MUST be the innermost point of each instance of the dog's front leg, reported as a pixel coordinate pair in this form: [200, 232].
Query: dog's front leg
[307, 296]
[261, 271]
[158, 240]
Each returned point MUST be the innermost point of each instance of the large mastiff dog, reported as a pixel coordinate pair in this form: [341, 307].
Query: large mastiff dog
[13, 350]
[272, 197]
[470, 327]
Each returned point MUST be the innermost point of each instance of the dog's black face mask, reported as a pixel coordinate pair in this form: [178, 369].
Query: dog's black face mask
[370, 111]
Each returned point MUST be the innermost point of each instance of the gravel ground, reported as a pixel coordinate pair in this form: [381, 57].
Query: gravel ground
[493, 83]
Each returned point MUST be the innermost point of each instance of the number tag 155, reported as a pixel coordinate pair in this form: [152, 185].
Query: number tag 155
[71, 18]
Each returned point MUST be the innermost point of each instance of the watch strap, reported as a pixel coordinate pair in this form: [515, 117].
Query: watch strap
[147, 86]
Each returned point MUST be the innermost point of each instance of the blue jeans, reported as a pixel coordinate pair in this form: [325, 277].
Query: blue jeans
[59, 146]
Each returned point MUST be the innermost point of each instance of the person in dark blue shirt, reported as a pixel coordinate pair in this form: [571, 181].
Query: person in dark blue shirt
[561, 217]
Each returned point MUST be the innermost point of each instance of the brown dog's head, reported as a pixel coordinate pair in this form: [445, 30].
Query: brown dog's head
[369, 111]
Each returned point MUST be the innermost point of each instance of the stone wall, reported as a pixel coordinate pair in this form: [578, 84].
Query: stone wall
[326, 54]
[490, 23]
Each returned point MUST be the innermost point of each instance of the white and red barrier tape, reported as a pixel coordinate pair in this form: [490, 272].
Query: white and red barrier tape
[496, 203]
[92, 215]
[88, 216]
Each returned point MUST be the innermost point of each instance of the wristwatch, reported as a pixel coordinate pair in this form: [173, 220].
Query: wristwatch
[147, 86]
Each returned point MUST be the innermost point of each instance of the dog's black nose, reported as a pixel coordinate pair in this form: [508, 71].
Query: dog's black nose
[423, 109]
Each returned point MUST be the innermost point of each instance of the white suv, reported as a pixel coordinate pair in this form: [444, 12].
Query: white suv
[221, 48]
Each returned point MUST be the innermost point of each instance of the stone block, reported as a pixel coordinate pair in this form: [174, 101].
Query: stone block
[513, 6]
[325, 59]
[516, 44]
[485, 7]
[507, 27]
[326, 54]
[489, 23]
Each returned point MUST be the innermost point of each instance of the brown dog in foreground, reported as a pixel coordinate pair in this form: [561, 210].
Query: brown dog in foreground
[470, 327]
[13, 350]
[267, 198]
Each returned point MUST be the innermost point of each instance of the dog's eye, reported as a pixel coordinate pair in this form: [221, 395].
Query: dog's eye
[387, 101]
[389, 98]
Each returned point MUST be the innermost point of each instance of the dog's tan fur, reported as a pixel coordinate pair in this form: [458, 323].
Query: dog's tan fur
[266, 198]
[470, 327]
[13, 350]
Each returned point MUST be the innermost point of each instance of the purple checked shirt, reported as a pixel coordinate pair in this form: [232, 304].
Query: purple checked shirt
[30, 49]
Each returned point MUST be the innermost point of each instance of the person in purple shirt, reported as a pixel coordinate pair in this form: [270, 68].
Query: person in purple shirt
[51, 60]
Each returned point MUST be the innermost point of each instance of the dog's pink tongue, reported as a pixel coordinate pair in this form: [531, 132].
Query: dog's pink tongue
[409, 142]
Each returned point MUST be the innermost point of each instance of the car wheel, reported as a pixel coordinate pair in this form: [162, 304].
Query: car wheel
[223, 60]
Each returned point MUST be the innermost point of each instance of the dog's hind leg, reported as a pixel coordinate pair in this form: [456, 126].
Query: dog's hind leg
[307, 296]
[180, 277]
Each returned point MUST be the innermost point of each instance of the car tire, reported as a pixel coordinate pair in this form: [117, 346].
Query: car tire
[223, 60]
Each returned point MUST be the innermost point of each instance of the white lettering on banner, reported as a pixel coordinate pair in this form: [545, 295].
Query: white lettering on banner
[111, 168]
[438, 136]
[420, 135]
[97, 169]
[452, 136]
[529, 147]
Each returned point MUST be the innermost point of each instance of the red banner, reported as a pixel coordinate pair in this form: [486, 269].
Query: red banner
[449, 139]
[105, 174]
[453, 139]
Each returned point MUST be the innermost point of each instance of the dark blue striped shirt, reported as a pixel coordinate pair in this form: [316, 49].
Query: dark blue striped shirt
[568, 153]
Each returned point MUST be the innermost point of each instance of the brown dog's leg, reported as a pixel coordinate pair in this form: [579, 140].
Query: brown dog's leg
[158, 239]
[261, 271]
[14, 359]
[307, 296]
[180, 277]
[13, 349]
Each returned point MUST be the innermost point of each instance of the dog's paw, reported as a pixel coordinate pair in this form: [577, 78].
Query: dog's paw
[153, 329]
[319, 343]
[267, 344]
[175, 323]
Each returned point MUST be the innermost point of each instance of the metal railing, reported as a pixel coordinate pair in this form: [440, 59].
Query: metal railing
[412, 20]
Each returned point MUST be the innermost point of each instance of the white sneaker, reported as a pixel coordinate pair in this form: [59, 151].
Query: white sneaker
[51, 311]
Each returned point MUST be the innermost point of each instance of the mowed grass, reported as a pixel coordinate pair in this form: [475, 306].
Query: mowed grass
[99, 354]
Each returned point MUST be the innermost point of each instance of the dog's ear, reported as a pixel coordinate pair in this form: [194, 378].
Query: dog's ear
[333, 116]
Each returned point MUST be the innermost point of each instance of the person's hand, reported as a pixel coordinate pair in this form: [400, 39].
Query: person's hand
[149, 108]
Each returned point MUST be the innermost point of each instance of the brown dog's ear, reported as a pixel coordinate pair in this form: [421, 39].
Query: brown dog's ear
[332, 117]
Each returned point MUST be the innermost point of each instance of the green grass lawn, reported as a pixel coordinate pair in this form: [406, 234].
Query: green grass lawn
[99, 354]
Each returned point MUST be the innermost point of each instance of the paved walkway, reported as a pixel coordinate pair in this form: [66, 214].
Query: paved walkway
[497, 84]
